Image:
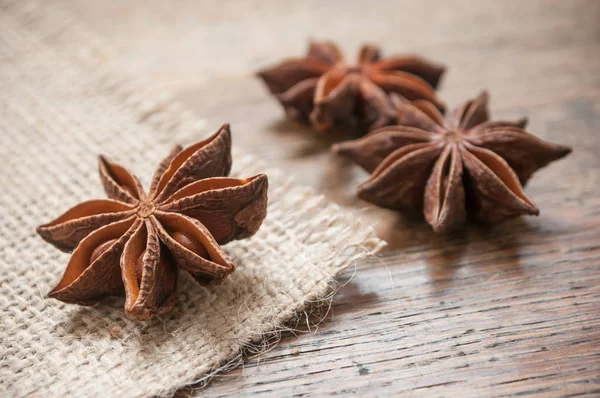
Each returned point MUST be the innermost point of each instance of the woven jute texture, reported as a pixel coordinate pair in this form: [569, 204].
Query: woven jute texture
[62, 102]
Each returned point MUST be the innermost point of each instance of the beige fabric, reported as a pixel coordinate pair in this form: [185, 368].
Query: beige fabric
[61, 103]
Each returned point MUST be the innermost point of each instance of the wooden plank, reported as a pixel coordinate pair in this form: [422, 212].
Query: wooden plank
[510, 310]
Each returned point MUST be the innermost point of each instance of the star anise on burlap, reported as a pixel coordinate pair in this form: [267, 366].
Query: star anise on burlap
[323, 89]
[464, 166]
[133, 242]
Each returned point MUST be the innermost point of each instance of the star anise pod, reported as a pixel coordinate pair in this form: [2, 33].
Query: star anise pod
[133, 242]
[323, 89]
[464, 166]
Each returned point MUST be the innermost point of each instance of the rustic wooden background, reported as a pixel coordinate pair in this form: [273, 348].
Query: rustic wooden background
[512, 310]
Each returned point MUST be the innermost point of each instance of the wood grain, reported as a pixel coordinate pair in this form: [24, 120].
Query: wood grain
[509, 310]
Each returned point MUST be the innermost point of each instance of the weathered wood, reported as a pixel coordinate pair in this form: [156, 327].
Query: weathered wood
[510, 310]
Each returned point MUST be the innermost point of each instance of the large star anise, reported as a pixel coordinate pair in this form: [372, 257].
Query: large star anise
[133, 242]
[323, 89]
[449, 170]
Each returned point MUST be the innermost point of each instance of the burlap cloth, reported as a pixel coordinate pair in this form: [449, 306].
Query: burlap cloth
[61, 103]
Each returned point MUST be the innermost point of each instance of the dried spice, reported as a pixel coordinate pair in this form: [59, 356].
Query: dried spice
[464, 166]
[133, 242]
[323, 89]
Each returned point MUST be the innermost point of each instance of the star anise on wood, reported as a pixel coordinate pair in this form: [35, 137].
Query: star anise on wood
[323, 89]
[133, 242]
[463, 167]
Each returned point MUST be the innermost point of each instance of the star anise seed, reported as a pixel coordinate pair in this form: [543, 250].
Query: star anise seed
[133, 242]
[323, 89]
[450, 169]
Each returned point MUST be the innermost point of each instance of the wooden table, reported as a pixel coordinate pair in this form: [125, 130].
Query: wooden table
[510, 310]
